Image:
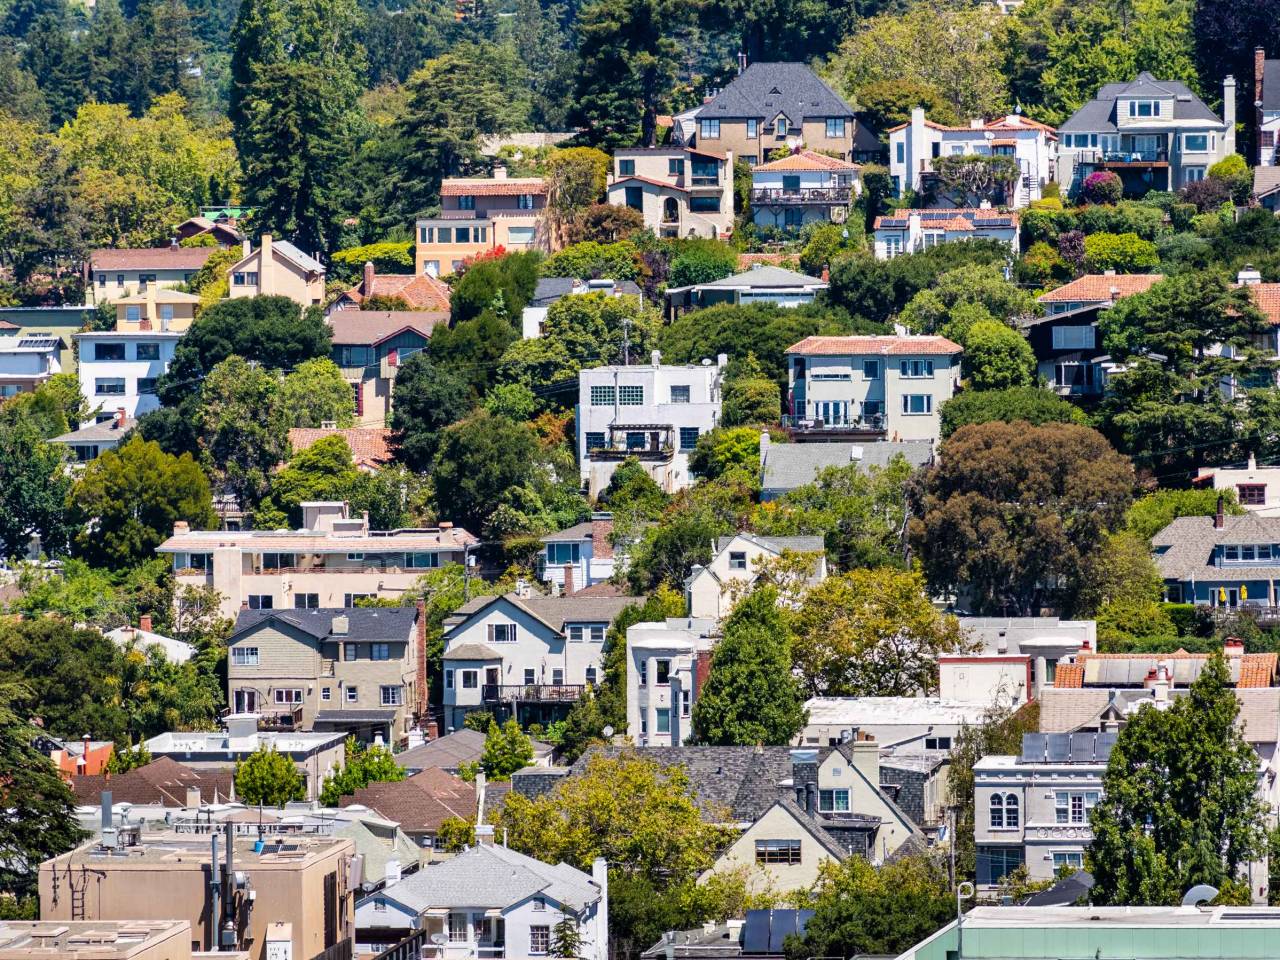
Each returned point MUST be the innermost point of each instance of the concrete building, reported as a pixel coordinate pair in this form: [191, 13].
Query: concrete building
[913, 147]
[926, 725]
[711, 591]
[28, 361]
[98, 940]
[111, 275]
[910, 231]
[334, 560]
[667, 665]
[682, 192]
[359, 671]
[580, 556]
[650, 412]
[306, 884]
[119, 370]
[1016, 659]
[1257, 487]
[316, 755]
[803, 188]
[479, 215]
[870, 387]
[277, 268]
[156, 308]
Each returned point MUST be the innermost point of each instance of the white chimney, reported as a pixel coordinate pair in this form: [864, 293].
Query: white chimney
[499, 172]
[392, 872]
[340, 626]
[1253, 462]
[1229, 114]
[656, 358]
[1248, 276]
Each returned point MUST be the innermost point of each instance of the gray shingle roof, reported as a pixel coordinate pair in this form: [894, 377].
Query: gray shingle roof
[777, 544]
[472, 651]
[1099, 114]
[303, 260]
[364, 623]
[1266, 180]
[764, 90]
[107, 430]
[1066, 710]
[765, 276]
[555, 612]
[551, 289]
[1188, 545]
[791, 465]
[461, 746]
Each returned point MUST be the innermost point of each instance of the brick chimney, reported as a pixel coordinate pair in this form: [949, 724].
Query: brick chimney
[366, 288]
[1233, 647]
[568, 579]
[1259, 68]
[120, 418]
[421, 628]
[144, 623]
[1220, 517]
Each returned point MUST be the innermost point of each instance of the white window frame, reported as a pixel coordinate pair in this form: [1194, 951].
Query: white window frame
[391, 695]
[244, 656]
[351, 694]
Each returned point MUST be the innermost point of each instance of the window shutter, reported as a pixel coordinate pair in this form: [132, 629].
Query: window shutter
[489, 632]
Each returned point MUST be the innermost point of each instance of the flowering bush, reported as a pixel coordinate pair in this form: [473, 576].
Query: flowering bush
[1102, 187]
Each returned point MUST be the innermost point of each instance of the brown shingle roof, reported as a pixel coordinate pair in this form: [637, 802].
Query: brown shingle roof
[486, 187]
[162, 782]
[365, 328]
[151, 258]
[1098, 286]
[891, 346]
[369, 445]
[422, 802]
[420, 291]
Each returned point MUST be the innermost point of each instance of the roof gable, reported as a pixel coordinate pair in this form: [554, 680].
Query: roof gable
[764, 90]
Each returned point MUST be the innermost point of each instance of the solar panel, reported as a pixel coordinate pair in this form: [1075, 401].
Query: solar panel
[1106, 742]
[1033, 747]
[1081, 747]
[1059, 747]
[755, 932]
[782, 923]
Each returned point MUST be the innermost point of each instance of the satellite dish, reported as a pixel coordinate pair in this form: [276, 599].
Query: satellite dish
[439, 939]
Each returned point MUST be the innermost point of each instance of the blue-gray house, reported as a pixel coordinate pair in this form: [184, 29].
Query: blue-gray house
[1220, 561]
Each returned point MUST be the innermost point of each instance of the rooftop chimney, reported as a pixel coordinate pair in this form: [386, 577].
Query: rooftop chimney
[1229, 114]
[193, 797]
[1259, 67]
[656, 358]
[144, 623]
[568, 579]
[1233, 647]
[742, 62]
[1219, 518]
[1248, 276]
[181, 528]
[266, 265]
[121, 414]
[499, 172]
[1163, 681]
[366, 288]
[1253, 462]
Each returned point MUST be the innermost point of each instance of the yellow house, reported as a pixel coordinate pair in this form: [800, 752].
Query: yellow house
[277, 268]
[156, 308]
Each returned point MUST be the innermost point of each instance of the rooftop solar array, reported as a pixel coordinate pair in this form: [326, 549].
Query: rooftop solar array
[1067, 747]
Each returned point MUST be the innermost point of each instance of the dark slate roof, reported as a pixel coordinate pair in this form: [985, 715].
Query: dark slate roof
[1064, 893]
[364, 623]
[765, 90]
[1266, 180]
[1099, 114]
[551, 289]
[554, 612]
[1271, 85]
[1188, 545]
[866, 140]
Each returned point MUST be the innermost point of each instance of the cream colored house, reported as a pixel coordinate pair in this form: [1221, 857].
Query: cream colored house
[849, 787]
[111, 274]
[682, 192]
[156, 308]
[782, 851]
[277, 268]
[712, 590]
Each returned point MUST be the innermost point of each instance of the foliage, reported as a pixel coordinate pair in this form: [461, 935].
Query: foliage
[975, 178]
[33, 491]
[1035, 405]
[1010, 509]
[268, 778]
[506, 750]
[605, 224]
[1150, 514]
[126, 758]
[503, 285]
[593, 260]
[454, 834]
[387, 256]
[427, 398]
[725, 449]
[1234, 174]
[632, 495]
[478, 720]
[576, 179]
[314, 394]
[751, 695]
[1123, 253]
[940, 307]
[1102, 186]
[749, 395]
[480, 460]
[323, 471]
[1179, 806]
[566, 939]
[702, 261]
[362, 765]
[998, 357]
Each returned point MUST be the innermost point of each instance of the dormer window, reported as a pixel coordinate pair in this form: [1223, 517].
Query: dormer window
[1247, 553]
[781, 125]
[1144, 108]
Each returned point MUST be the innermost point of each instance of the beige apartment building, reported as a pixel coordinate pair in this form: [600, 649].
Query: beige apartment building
[112, 274]
[156, 308]
[333, 561]
[303, 887]
[480, 215]
[682, 192]
[99, 940]
[277, 268]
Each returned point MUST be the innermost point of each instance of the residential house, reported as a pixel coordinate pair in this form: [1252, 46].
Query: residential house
[332, 561]
[650, 412]
[89, 443]
[1220, 561]
[1070, 357]
[1266, 102]
[804, 187]
[913, 147]
[870, 387]
[370, 345]
[156, 308]
[1096, 290]
[99, 939]
[419, 291]
[420, 804]
[524, 655]
[84, 757]
[763, 283]
[1014, 660]
[712, 590]
[113, 274]
[277, 899]
[551, 289]
[489, 903]
[277, 268]
[119, 370]
[910, 231]
[62, 322]
[464, 746]
[767, 107]
[315, 754]
[918, 784]
[370, 446]
[479, 216]
[682, 191]
[27, 361]
[929, 725]
[358, 670]
[785, 849]
[1266, 187]
[1257, 487]
[142, 637]
[667, 666]
[164, 783]
[759, 935]
[788, 466]
[224, 232]
[580, 556]
[1153, 134]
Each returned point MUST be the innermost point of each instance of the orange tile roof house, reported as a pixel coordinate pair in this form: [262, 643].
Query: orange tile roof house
[1095, 289]
[370, 446]
[478, 216]
[419, 291]
[369, 346]
[801, 188]
[113, 274]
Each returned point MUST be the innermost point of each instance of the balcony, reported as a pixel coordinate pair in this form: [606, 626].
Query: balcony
[712, 181]
[532, 692]
[1124, 158]
[811, 195]
[872, 426]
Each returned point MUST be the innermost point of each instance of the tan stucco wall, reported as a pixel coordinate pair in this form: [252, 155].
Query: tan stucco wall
[776, 824]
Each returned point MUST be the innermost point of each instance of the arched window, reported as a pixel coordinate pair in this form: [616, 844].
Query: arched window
[1010, 810]
[670, 210]
[997, 811]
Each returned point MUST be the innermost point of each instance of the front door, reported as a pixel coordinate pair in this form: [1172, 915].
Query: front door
[246, 701]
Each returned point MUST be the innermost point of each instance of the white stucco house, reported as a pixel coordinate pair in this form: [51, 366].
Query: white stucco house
[712, 590]
[1257, 487]
[801, 188]
[119, 371]
[667, 664]
[651, 412]
[910, 231]
[580, 556]
[28, 361]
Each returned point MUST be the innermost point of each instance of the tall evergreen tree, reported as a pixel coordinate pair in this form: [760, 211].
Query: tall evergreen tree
[111, 59]
[163, 28]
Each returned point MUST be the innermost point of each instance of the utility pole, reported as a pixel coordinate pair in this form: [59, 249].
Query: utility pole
[951, 831]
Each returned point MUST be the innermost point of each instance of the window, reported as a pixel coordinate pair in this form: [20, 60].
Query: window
[644, 673]
[634, 198]
[594, 440]
[466, 202]
[631, 395]
[901, 152]
[1068, 858]
[870, 369]
[680, 393]
[458, 928]
[109, 386]
[539, 904]
[597, 633]
[558, 553]
[102, 279]
[915, 369]
[1004, 811]
[524, 201]
[448, 679]
[1074, 806]
[353, 694]
[166, 312]
[379, 651]
[350, 651]
[147, 385]
[602, 397]
[782, 127]
[462, 234]
[662, 672]
[1010, 810]
[306, 601]
[778, 851]
[326, 694]
[701, 204]
[133, 314]
[144, 279]
[937, 743]
[833, 801]
[591, 675]
[686, 701]
[835, 126]
[148, 351]
[530, 676]
[575, 634]
[279, 561]
[737, 560]
[1251, 494]
[709, 129]
[688, 438]
[392, 696]
[259, 601]
[913, 403]
[444, 234]
[1193, 174]
[288, 695]
[626, 168]
[504, 633]
[108, 351]
[247, 278]
[421, 561]
[1195, 142]
[539, 940]
[1074, 338]
[1144, 108]
[425, 234]
[994, 863]
[350, 599]
[753, 129]
[793, 218]
[662, 720]
[675, 167]
[557, 676]
[355, 556]
[244, 656]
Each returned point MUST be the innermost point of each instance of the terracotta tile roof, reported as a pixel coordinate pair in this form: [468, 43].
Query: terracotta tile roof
[369, 445]
[1266, 296]
[369, 327]
[653, 183]
[1069, 675]
[491, 187]
[808, 160]
[1097, 287]
[1256, 669]
[973, 217]
[151, 258]
[890, 346]
[420, 291]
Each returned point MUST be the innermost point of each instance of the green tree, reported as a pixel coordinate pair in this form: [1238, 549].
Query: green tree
[1123, 253]
[998, 357]
[976, 178]
[506, 750]
[1148, 515]
[937, 308]
[478, 461]
[750, 396]
[127, 500]
[241, 436]
[454, 834]
[428, 398]
[128, 758]
[315, 393]
[33, 491]
[268, 778]
[323, 471]
[751, 695]
[1034, 405]
[566, 939]
[591, 260]
[362, 765]
[724, 449]
[575, 180]
[632, 494]
[1179, 804]
[503, 285]
[702, 261]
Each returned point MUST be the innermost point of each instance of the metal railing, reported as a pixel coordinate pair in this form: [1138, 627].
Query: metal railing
[875, 421]
[802, 195]
[532, 692]
[1124, 156]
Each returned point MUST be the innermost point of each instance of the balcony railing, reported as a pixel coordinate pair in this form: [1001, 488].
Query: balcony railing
[621, 453]
[532, 692]
[803, 195]
[874, 423]
[1123, 156]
